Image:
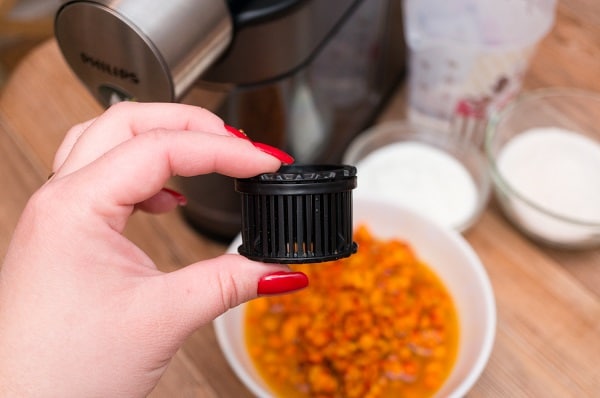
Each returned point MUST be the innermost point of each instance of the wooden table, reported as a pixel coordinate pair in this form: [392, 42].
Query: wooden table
[548, 335]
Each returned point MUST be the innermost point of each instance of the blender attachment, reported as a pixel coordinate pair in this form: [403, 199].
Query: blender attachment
[299, 214]
[146, 51]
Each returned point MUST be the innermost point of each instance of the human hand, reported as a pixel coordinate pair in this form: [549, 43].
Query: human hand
[83, 311]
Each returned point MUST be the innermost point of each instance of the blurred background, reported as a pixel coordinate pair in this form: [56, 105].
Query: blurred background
[23, 24]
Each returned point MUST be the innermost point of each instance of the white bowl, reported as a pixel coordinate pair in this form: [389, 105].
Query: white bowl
[446, 252]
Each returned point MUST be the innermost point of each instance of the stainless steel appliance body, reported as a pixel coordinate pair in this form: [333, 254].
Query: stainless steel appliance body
[302, 75]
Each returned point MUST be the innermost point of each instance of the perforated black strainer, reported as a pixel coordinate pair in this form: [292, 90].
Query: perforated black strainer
[300, 214]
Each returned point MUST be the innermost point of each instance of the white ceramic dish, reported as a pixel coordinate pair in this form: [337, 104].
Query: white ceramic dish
[446, 252]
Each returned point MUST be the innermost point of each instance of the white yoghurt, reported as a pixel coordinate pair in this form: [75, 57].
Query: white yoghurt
[420, 177]
[559, 171]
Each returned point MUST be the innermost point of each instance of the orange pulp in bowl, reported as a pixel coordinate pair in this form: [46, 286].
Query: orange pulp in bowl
[376, 324]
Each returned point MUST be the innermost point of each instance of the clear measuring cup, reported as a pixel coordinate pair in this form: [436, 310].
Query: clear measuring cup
[469, 56]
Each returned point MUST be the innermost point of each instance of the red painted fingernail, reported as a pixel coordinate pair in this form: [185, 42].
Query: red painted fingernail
[237, 132]
[181, 199]
[275, 152]
[281, 282]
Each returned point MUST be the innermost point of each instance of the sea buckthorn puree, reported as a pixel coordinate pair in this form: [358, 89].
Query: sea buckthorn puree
[377, 324]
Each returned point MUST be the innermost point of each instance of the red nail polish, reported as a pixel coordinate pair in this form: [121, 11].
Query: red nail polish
[237, 132]
[275, 152]
[181, 200]
[281, 282]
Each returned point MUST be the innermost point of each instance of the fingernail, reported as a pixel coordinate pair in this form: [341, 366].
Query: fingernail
[275, 152]
[181, 199]
[281, 282]
[237, 132]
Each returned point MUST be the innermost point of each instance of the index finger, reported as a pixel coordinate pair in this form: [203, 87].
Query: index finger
[125, 120]
[139, 167]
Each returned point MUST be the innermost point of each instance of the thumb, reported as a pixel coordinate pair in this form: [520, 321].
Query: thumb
[197, 294]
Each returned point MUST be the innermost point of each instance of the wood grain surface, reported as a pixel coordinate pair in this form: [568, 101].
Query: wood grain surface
[548, 335]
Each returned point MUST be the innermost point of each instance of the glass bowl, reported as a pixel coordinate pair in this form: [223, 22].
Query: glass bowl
[438, 174]
[544, 157]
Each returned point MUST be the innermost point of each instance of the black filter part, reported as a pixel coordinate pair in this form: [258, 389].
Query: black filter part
[299, 214]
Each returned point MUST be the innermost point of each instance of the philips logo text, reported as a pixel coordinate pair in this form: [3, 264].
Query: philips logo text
[109, 69]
